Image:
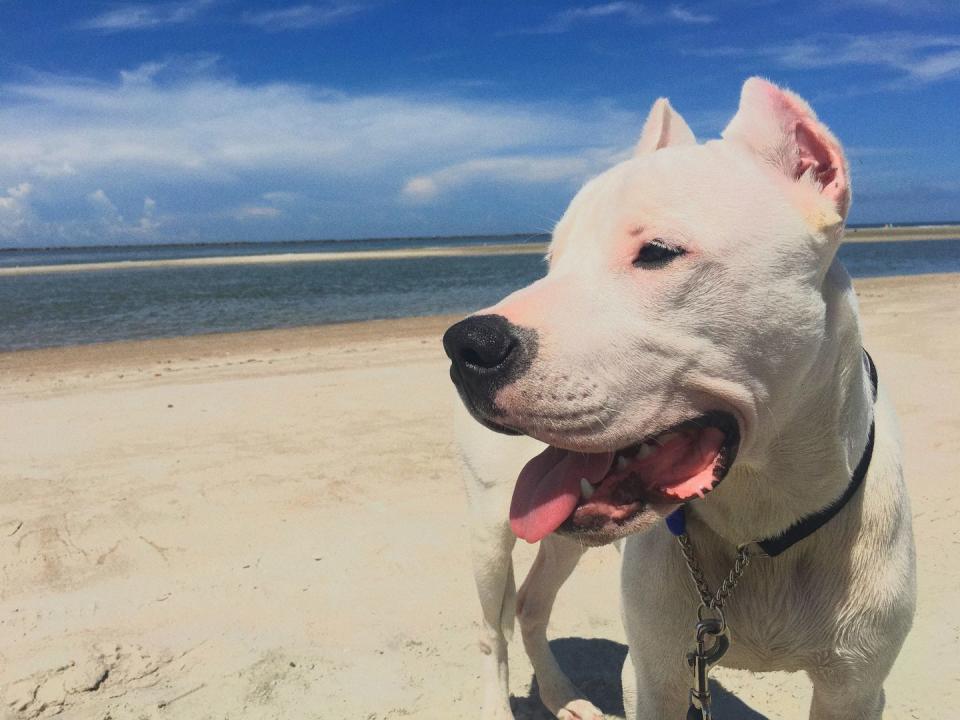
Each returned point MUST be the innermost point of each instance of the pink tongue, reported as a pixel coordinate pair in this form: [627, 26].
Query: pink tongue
[548, 490]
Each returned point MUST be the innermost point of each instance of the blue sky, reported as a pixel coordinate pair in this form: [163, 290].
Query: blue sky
[216, 120]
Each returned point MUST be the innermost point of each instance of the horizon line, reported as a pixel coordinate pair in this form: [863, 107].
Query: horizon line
[852, 227]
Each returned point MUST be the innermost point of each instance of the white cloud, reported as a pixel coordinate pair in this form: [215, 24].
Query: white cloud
[104, 207]
[420, 189]
[301, 17]
[634, 12]
[517, 169]
[14, 210]
[257, 212]
[20, 191]
[904, 51]
[139, 16]
[938, 67]
[46, 170]
[21, 224]
[566, 19]
[144, 73]
[916, 57]
[108, 220]
[175, 68]
[148, 223]
[217, 128]
[900, 7]
[281, 197]
[685, 15]
[213, 152]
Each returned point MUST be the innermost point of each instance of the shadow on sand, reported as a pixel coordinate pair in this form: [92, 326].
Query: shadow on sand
[594, 666]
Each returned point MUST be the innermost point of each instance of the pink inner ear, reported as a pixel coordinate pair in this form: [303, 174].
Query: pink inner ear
[813, 152]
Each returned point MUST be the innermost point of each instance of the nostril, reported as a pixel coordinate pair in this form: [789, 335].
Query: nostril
[471, 357]
[486, 357]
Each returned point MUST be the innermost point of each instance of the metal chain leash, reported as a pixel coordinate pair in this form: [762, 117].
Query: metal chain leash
[713, 600]
[711, 625]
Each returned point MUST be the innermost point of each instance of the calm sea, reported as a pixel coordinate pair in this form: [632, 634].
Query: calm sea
[46, 310]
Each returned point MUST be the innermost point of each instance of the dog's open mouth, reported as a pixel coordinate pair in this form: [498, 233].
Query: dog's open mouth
[599, 494]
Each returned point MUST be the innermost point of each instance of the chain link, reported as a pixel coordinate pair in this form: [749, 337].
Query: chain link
[706, 597]
[709, 599]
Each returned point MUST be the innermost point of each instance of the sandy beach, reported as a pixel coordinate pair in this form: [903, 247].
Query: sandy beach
[270, 525]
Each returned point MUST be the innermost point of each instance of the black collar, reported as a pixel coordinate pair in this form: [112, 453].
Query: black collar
[773, 546]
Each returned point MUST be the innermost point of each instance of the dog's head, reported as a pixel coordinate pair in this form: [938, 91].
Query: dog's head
[683, 299]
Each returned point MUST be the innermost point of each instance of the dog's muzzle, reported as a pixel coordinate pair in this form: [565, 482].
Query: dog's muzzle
[487, 353]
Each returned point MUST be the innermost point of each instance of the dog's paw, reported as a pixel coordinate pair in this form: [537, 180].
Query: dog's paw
[579, 710]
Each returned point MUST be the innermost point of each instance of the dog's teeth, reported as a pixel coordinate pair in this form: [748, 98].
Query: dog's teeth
[646, 450]
[622, 462]
[667, 437]
[586, 489]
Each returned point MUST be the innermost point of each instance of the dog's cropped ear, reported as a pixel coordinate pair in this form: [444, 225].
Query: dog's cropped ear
[784, 132]
[664, 127]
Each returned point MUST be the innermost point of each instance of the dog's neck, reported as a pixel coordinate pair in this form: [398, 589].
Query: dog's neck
[806, 461]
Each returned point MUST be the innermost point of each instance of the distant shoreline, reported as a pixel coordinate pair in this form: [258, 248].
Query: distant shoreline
[285, 258]
[853, 235]
[898, 233]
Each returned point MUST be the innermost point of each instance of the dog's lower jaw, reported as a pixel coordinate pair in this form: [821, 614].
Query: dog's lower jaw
[596, 531]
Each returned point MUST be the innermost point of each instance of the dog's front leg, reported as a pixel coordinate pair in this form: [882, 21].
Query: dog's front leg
[491, 549]
[655, 692]
[658, 689]
[556, 559]
[847, 695]
[658, 611]
[489, 465]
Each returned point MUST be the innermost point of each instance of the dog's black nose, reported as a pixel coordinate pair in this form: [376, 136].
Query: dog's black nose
[481, 345]
[487, 352]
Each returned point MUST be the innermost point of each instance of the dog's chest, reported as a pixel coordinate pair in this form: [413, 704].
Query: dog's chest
[775, 644]
[784, 618]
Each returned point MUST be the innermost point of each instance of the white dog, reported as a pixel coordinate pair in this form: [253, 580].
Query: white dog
[694, 327]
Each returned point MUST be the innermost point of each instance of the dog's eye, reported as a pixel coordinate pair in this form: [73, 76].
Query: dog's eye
[656, 253]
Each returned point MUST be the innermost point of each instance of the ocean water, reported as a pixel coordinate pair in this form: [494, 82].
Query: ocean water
[43, 310]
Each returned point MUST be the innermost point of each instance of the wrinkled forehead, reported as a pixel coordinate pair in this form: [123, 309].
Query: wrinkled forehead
[700, 194]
